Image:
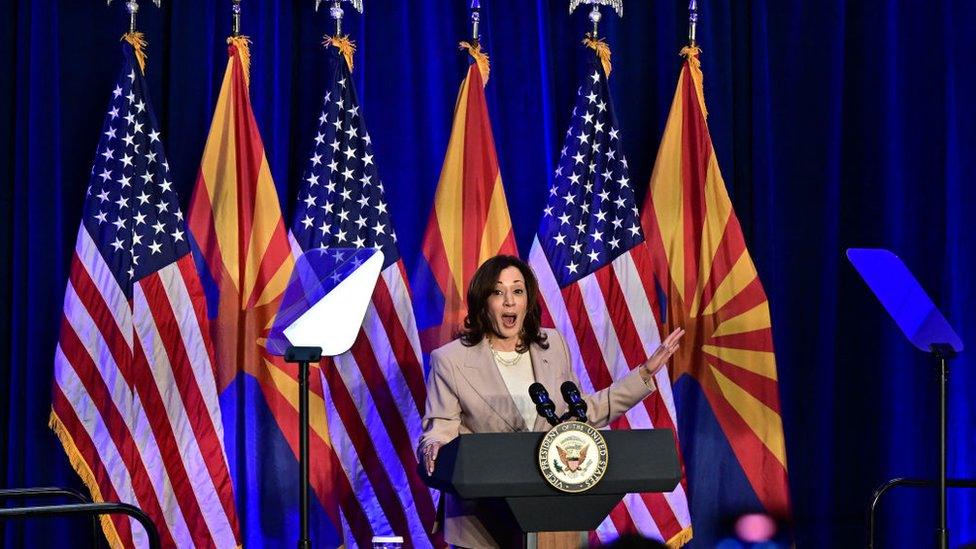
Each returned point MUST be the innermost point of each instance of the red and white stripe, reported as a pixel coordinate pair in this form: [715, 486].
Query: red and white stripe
[608, 322]
[136, 398]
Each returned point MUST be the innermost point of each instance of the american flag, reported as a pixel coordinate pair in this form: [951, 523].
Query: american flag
[135, 398]
[597, 286]
[375, 392]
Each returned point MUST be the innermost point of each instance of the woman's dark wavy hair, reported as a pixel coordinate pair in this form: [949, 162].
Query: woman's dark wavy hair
[478, 325]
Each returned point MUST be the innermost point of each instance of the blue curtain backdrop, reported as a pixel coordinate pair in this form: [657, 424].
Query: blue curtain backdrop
[836, 124]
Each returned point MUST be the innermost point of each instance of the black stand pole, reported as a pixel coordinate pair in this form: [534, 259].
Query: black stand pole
[943, 353]
[303, 356]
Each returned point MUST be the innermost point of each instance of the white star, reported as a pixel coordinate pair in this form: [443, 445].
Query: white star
[564, 219]
[322, 118]
[108, 154]
[117, 244]
[320, 138]
[101, 217]
[379, 228]
[119, 224]
[342, 82]
[623, 181]
[151, 157]
[130, 118]
[327, 206]
[559, 171]
[114, 113]
[351, 132]
[162, 206]
[344, 215]
[569, 198]
[366, 179]
[140, 218]
[106, 174]
[309, 201]
[580, 227]
[572, 267]
[615, 243]
[577, 247]
[129, 138]
[560, 238]
[166, 185]
[597, 236]
[123, 202]
[613, 133]
[140, 106]
[178, 214]
[610, 154]
[354, 110]
[110, 133]
[316, 159]
[588, 118]
[607, 174]
[341, 236]
[308, 222]
[103, 195]
[574, 178]
[126, 160]
[137, 127]
[381, 207]
[335, 145]
[367, 139]
[593, 255]
[635, 230]
[620, 202]
[131, 97]
[155, 247]
[338, 124]
[313, 180]
[616, 222]
[333, 166]
[595, 77]
[359, 242]
[159, 227]
[177, 235]
[361, 222]
[601, 106]
[350, 152]
[601, 216]
[117, 92]
[325, 228]
[146, 178]
[367, 160]
[591, 97]
[598, 127]
[548, 211]
[363, 201]
[578, 157]
[347, 174]
[132, 75]
[604, 195]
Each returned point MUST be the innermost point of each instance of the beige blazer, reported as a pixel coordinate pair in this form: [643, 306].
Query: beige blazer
[466, 394]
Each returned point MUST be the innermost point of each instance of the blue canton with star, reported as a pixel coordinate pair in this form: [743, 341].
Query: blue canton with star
[591, 214]
[131, 210]
[341, 203]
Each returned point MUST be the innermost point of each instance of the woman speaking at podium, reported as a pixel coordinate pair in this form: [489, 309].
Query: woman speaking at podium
[479, 383]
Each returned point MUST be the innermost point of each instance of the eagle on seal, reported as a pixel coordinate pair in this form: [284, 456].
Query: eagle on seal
[573, 457]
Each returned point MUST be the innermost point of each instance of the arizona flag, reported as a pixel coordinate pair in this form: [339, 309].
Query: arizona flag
[470, 221]
[246, 259]
[724, 375]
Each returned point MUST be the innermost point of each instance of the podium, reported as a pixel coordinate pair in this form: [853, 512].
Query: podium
[502, 469]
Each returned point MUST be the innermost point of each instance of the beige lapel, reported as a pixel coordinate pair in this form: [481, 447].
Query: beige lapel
[545, 373]
[481, 372]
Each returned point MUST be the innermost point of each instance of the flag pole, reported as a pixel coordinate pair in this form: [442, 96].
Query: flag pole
[595, 15]
[235, 10]
[132, 6]
[336, 11]
[475, 22]
[692, 22]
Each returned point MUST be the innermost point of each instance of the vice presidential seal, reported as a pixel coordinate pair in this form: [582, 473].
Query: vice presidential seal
[573, 457]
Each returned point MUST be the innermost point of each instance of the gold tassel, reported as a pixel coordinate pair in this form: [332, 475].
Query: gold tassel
[345, 46]
[243, 46]
[138, 43]
[602, 50]
[80, 466]
[691, 53]
[480, 57]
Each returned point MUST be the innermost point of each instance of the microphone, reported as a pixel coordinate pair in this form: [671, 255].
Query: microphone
[574, 400]
[543, 404]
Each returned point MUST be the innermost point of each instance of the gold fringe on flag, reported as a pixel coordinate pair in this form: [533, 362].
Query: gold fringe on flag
[138, 43]
[680, 539]
[345, 46]
[243, 45]
[602, 50]
[80, 466]
[480, 57]
[691, 53]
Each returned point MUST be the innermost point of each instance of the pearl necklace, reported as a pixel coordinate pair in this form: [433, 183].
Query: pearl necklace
[502, 360]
